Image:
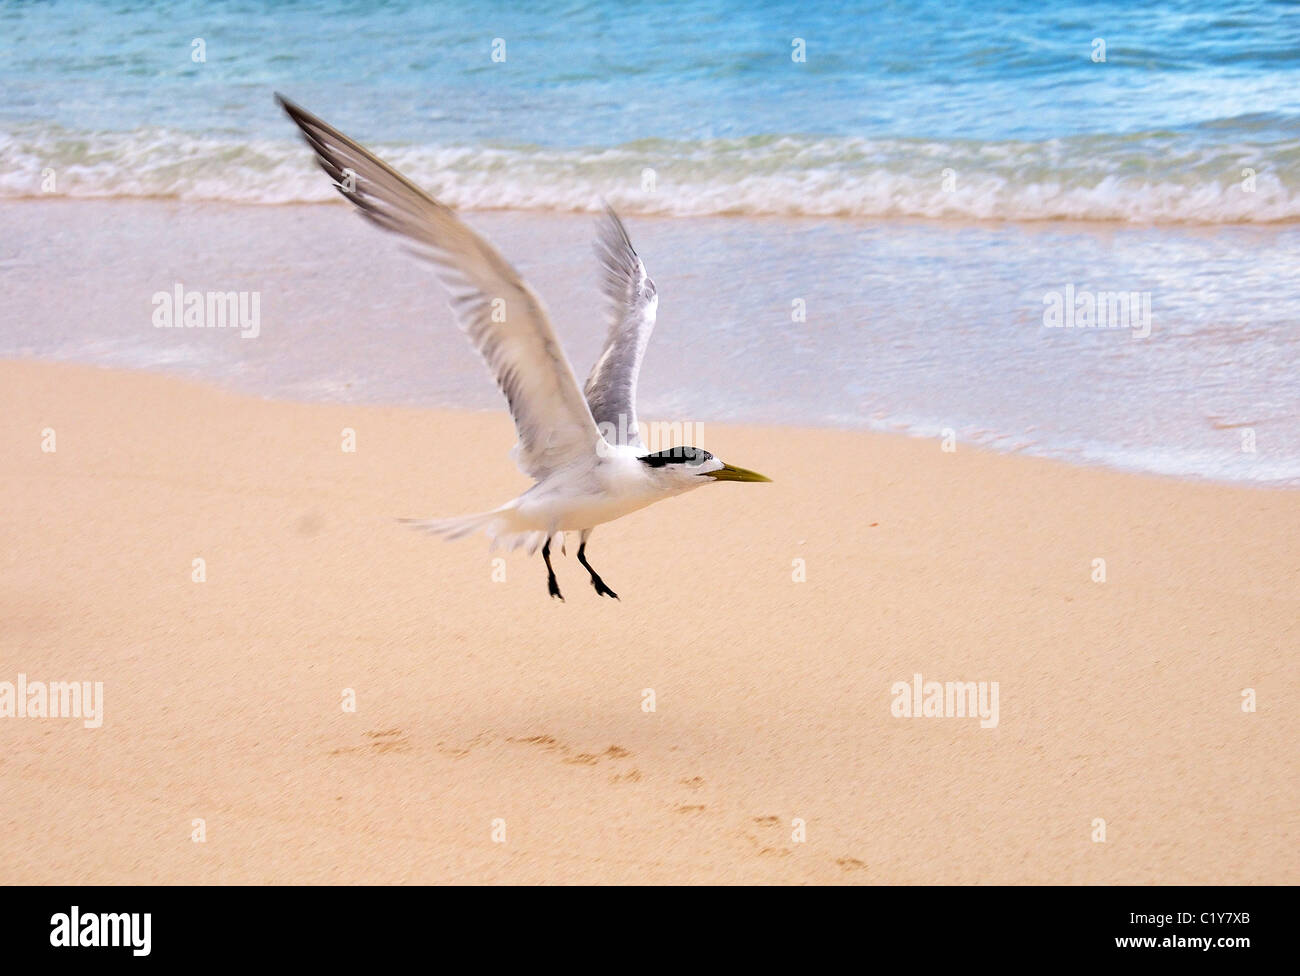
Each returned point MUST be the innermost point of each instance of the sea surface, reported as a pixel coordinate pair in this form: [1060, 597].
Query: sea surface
[916, 180]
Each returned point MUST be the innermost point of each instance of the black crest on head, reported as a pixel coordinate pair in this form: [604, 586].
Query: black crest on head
[677, 455]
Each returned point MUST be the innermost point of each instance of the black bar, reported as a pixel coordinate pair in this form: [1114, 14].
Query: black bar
[926, 924]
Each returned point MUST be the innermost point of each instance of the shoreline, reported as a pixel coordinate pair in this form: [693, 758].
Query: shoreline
[810, 323]
[1101, 226]
[771, 624]
[792, 429]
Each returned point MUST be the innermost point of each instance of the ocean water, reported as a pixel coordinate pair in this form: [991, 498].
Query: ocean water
[923, 176]
[706, 94]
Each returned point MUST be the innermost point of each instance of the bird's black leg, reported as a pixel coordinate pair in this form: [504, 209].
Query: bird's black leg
[552, 586]
[596, 581]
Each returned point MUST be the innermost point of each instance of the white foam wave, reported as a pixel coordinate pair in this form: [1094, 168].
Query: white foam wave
[1131, 179]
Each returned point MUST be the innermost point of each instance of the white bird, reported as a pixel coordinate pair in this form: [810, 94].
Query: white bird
[581, 447]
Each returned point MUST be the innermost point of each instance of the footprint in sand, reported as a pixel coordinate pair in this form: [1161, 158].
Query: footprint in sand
[547, 742]
[460, 752]
[551, 744]
[383, 740]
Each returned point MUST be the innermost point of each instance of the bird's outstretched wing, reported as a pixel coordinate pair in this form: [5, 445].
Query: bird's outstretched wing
[503, 317]
[631, 304]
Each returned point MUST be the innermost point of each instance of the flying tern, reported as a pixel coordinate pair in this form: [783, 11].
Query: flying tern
[581, 446]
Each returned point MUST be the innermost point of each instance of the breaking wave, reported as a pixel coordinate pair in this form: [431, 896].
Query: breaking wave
[1157, 177]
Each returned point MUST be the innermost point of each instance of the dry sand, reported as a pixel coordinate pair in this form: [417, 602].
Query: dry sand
[480, 700]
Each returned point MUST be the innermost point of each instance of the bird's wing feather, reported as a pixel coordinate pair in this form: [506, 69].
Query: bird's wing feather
[503, 318]
[631, 302]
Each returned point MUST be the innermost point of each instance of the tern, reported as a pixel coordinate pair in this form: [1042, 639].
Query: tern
[581, 447]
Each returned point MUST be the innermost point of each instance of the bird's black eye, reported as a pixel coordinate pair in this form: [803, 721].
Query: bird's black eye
[677, 455]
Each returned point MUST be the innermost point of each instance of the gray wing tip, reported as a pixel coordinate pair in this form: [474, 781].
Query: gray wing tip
[610, 230]
[291, 108]
[624, 277]
[306, 122]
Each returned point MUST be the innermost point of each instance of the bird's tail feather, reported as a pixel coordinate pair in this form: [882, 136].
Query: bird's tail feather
[455, 528]
[497, 525]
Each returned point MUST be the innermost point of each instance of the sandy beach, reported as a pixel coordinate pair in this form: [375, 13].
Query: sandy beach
[482, 705]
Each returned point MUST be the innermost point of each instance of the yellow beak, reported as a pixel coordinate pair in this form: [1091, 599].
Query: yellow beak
[729, 473]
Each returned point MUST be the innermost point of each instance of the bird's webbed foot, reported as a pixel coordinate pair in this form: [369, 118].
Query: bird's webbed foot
[601, 588]
[597, 583]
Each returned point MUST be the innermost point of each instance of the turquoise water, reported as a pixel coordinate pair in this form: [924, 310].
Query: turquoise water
[1006, 96]
[922, 180]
